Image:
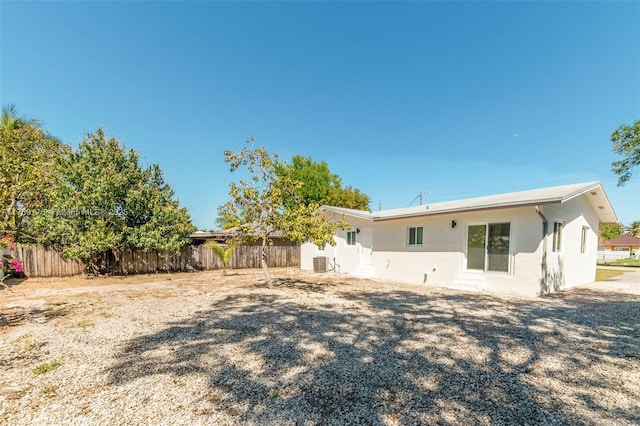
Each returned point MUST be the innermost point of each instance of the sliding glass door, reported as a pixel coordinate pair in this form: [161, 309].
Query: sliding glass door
[476, 240]
[498, 247]
[488, 247]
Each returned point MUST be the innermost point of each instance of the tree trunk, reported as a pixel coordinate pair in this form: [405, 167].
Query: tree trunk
[263, 260]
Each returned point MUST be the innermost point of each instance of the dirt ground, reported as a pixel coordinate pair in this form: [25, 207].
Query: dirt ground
[52, 296]
[49, 296]
[205, 348]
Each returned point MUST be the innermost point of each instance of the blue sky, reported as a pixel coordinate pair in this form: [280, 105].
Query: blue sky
[452, 99]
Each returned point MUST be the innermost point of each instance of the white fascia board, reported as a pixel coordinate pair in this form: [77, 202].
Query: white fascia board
[361, 214]
[467, 209]
[600, 203]
[536, 197]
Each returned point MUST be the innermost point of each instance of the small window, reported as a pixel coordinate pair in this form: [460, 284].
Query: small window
[351, 238]
[415, 236]
[583, 239]
[557, 236]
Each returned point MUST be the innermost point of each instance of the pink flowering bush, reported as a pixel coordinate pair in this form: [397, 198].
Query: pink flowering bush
[10, 264]
[16, 266]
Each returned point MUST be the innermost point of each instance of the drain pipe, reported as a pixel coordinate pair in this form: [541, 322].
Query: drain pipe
[545, 229]
[545, 226]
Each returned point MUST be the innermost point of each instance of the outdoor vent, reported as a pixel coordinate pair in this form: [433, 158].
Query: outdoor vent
[319, 264]
[600, 207]
[594, 193]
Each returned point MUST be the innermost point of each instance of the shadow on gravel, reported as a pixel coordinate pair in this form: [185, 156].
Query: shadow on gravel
[12, 317]
[7, 284]
[400, 357]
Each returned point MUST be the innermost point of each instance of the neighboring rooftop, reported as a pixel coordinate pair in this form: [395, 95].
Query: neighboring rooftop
[534, 197]
[225, 234]
[624, 240]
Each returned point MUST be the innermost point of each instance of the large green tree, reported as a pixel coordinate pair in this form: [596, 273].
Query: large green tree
[608, 231]
[347, 197]
[320, 186]
[108, 201]
[626, 142]
[29, 170]
[262, 205]
[316, 185]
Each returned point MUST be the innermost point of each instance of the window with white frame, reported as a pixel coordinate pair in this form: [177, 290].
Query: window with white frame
[583, 239]
[557, 236]
[416, 235]
[351, 238]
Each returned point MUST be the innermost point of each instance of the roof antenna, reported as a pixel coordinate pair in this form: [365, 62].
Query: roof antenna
[428, 193]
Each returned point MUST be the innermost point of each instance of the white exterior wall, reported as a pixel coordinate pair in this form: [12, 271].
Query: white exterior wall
[437, 261]
[442, 256]
[346, 257]
[525, 250]
[569, 265]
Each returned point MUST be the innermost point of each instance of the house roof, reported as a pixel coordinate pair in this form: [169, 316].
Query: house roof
[534, 197]
[206, 235]
[624, 240]
[226, 233]
[362, 214]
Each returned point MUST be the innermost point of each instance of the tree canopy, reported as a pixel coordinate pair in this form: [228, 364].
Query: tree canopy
[29, 170]
[611, 230]
[315, 185]
[269, 202]
[316, 180]
[108, 201]
[633, 228]
[626, 142]
[10, 120]
[84, 202]
[320, 186]
[608, 231]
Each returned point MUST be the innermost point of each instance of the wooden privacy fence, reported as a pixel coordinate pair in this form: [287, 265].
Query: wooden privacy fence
[39, 261]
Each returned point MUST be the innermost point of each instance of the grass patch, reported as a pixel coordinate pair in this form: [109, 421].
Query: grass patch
[25, 343]
[49, 390]
[84, 324]
[45, 367]
[605, 274]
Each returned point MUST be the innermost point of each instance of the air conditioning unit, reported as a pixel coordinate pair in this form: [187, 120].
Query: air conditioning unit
[319, 264]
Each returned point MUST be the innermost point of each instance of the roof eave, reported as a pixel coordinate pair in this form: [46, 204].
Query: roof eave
[361, 214]
[469, 209]
[607, 213]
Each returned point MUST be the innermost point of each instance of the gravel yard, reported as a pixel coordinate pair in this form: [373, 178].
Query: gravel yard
[203, 348]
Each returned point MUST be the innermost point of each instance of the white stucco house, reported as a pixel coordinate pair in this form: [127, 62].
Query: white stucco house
[530, 242]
